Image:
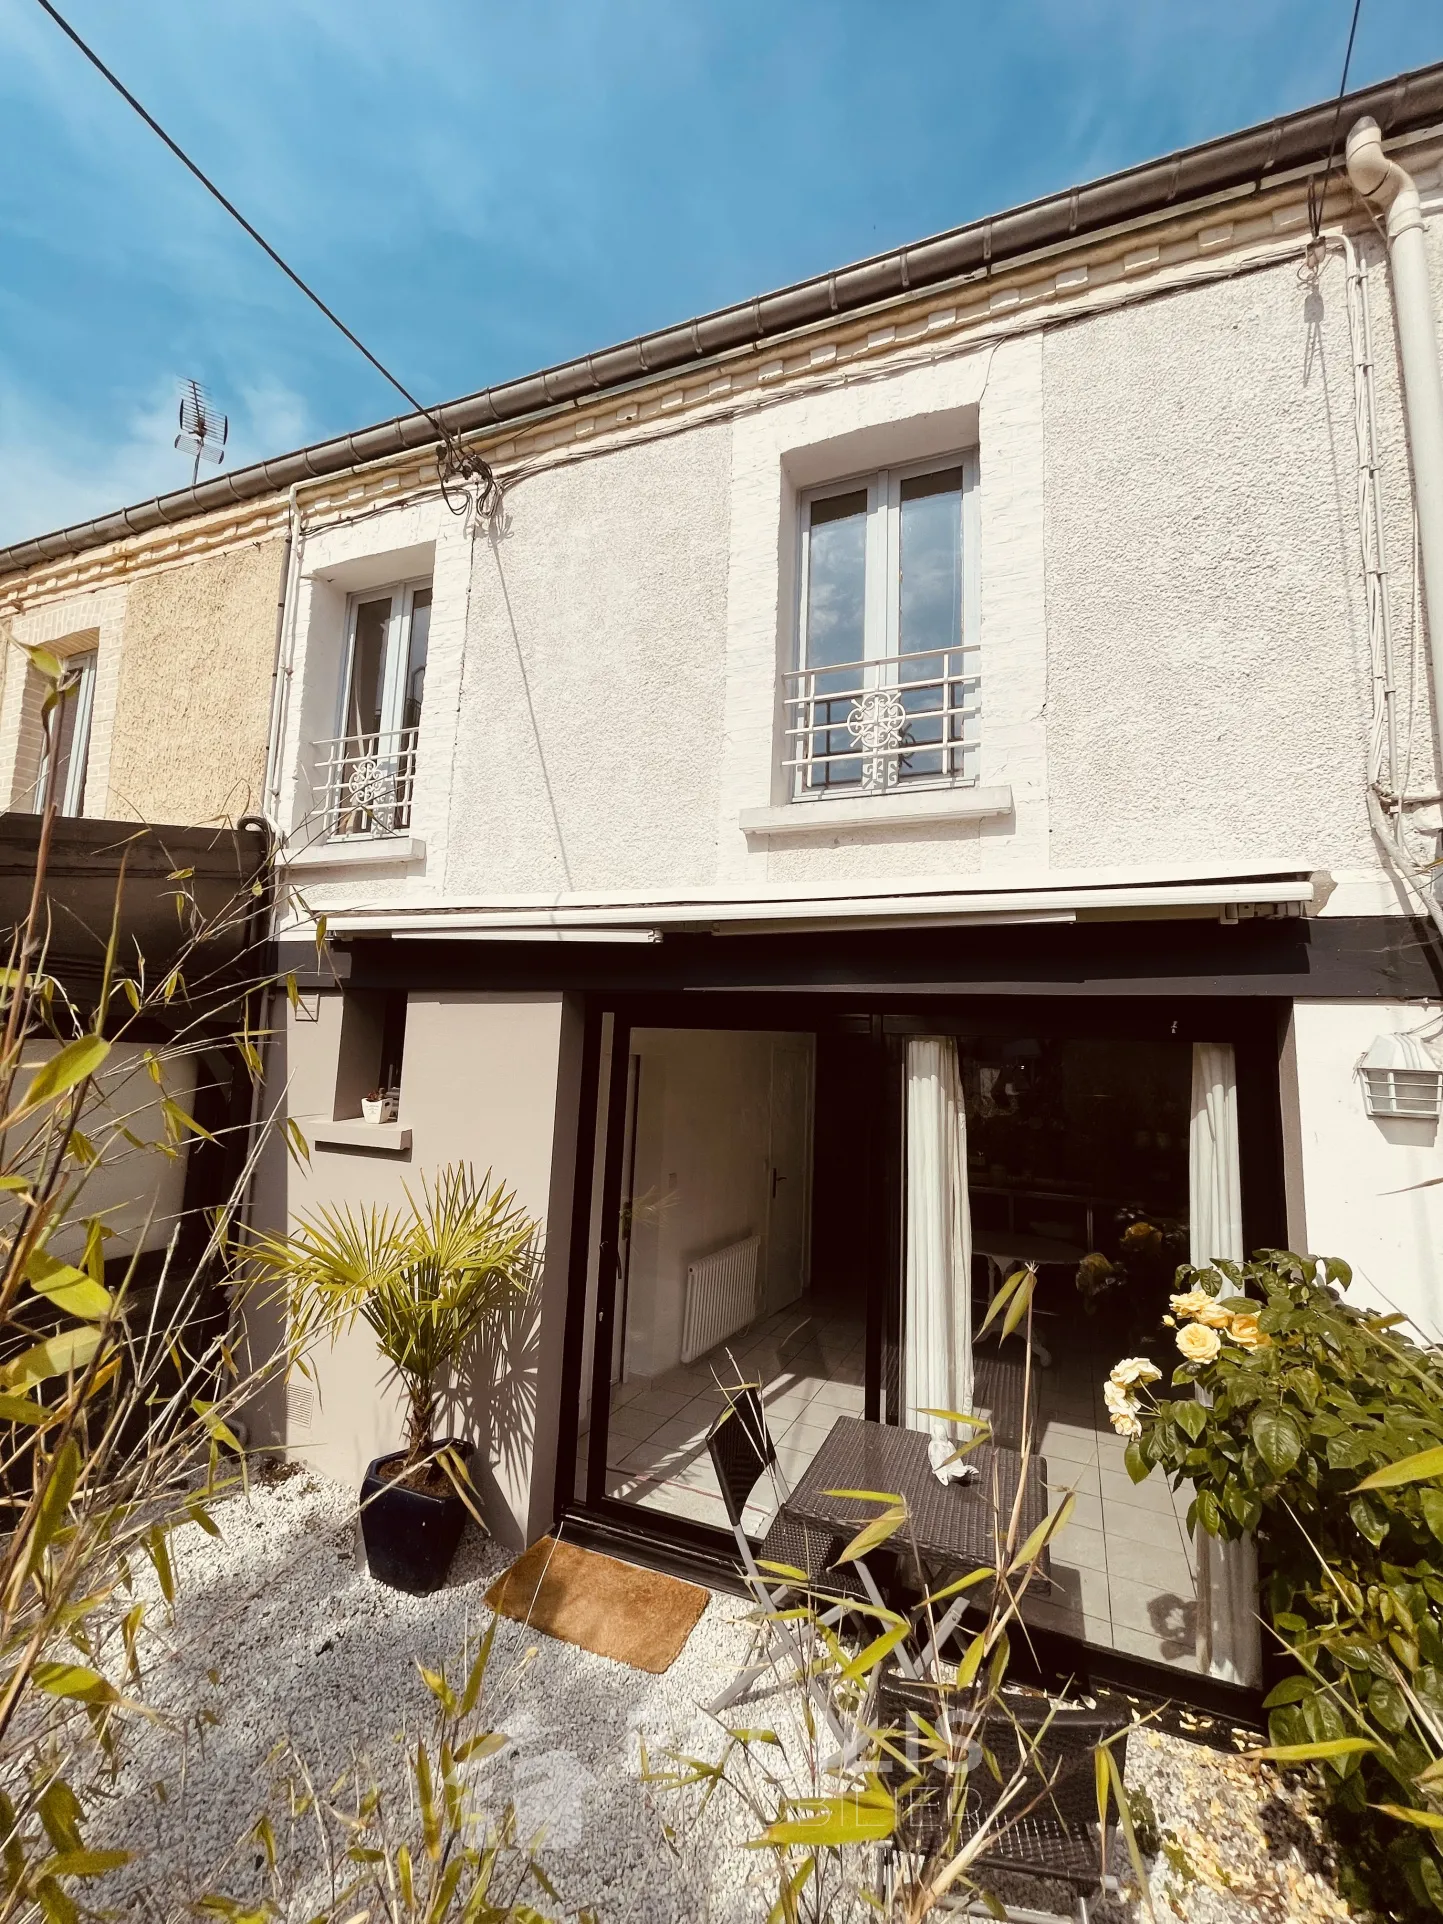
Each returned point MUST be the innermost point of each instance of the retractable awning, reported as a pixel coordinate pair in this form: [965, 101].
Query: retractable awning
[1227, 891]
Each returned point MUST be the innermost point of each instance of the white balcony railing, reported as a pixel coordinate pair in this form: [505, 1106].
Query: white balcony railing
[868, 726]
[364, 783]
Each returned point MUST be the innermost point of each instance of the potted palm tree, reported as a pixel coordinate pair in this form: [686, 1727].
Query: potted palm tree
[426, 1279]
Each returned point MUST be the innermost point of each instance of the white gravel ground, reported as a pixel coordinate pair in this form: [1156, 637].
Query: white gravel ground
[279, 1634]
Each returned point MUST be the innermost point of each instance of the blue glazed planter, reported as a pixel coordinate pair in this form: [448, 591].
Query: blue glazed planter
[410, 1535]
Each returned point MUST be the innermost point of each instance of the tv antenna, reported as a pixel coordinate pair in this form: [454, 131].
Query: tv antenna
[203, 428]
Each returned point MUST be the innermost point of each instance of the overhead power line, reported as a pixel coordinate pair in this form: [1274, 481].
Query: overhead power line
[1316, 198]
[456, 463]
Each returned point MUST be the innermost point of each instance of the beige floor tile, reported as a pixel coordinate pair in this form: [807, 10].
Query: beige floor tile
[1141, 1643]
[1151, 1494]
[1152, 1566]
[1152, 1607]
[1077, 1545]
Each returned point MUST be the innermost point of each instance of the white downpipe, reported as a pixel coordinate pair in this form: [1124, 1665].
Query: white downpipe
[1386, 188]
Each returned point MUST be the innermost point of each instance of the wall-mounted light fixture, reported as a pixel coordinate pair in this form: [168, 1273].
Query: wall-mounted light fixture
[1401, 1078]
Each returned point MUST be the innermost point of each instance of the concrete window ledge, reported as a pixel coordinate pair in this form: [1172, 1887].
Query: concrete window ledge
[878, 811]
[381, 1138]
[388, 851]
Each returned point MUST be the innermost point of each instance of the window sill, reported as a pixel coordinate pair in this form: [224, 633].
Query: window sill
[381, 1138]
[878, 811]
[365, 851]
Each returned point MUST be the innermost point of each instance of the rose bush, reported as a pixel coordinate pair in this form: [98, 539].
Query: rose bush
[1298, 1416]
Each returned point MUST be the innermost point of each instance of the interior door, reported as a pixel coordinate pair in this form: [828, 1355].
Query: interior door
[789, 1202]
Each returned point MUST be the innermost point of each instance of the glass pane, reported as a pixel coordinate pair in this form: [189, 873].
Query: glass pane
[368, 660]
[716, 1286]
[930, 618]
[834, 631]
[1078, 1162]
[71, 737]
[416, 658]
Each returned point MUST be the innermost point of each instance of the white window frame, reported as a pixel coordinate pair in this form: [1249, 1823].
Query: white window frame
[881, 619]
[398, 651]
[71, 799]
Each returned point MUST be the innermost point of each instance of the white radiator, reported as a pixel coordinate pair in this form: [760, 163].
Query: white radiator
[721, 1297]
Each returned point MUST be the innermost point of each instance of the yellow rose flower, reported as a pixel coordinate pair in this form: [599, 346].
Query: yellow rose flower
[1214, 1316]
[1192, 1304]
[1199, 1342]
[1244, 1329]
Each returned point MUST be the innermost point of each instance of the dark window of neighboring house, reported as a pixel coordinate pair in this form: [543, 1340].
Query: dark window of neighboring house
[69, 739]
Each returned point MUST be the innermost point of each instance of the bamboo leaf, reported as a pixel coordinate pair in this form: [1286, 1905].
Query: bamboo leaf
[1424, 1819]
[23, 1409]
[1017, 1308]
[962, 1583]
[1044, 1533]
[59, 1487]
[74, 1680]
[872, 1534]
[1001, 1299]
[68, 1288]
[1419, 1468]
[867, 1659]
[66, 1067]
[85, 1863]
[971, 1661]
[1310, 1753]
[833, 1822]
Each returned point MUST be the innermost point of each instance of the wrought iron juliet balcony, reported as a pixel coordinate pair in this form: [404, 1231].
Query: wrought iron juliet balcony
[365, 782]
[865, 727]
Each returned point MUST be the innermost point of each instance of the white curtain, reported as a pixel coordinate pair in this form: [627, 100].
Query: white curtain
[937, 1353]
[1228, 1640]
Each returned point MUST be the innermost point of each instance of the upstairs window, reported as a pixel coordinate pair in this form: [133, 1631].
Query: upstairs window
[885, 690]
[370, 769]
[69, 742]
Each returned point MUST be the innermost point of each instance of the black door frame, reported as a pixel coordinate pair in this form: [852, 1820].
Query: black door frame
[1255, 1027]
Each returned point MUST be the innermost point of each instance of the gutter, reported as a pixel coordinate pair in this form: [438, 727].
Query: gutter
[1238, 163]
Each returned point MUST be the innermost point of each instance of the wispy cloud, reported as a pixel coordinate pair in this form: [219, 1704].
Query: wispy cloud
[481, 190]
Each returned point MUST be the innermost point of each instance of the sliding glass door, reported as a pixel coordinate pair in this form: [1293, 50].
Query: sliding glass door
[823, 1203]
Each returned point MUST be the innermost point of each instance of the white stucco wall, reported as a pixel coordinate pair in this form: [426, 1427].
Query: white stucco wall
[1208, 673]
[1370, 1188]
[1174, 652]
[591, 713]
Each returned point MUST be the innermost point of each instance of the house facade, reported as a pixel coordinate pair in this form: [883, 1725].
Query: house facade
[928, 771]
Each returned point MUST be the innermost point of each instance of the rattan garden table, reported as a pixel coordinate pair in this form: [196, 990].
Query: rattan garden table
[954, 1527]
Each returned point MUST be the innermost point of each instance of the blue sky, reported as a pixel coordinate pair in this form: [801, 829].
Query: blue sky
[482, 189]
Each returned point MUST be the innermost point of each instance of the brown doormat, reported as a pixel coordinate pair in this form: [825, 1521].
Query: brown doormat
[612, 1609]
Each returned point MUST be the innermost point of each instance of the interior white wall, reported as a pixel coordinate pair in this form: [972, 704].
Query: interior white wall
[703, 1172]
[1365, 1182]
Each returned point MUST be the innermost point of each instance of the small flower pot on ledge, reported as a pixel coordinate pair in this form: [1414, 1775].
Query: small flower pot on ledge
[411, 1534]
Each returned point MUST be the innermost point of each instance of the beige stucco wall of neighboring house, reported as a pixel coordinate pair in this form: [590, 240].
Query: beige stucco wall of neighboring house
[188, 741]
[489, 1080]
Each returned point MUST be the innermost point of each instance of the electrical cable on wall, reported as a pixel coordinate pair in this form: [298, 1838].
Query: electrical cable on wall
[478, 487]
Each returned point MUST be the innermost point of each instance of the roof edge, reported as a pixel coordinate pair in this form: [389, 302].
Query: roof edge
[1292, 141]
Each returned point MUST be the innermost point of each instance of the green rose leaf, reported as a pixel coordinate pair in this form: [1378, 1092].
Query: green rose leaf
[1432, 1506]
[1278, 1439]
[1370, 1521]
[1191, 1418]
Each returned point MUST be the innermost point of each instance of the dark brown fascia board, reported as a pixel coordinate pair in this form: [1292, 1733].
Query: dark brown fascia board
[1245, 161]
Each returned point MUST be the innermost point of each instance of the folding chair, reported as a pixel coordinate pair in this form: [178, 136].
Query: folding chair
[1057, 1838]
[742, 1452]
